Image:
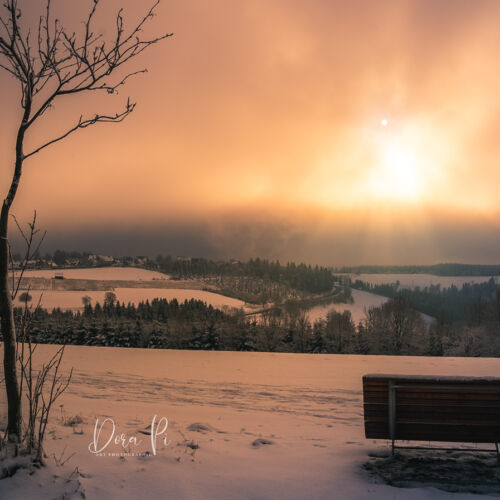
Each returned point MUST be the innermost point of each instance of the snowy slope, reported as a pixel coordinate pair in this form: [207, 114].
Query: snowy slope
[240, 426]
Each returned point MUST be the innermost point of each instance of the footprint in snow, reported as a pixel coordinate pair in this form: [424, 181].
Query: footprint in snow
[199, 427]
[257, 443]
[203, 428]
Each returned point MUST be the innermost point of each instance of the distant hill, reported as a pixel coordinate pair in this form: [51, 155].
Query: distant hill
[447, 269]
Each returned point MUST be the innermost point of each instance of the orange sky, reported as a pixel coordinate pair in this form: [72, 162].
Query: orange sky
[258, 132]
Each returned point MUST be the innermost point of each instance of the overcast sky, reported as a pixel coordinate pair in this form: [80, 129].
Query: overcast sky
[337, 132]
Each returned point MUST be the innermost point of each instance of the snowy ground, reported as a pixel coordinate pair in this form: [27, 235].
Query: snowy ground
[362, 301]
[241, 426]
[69, 299]
[99, 273]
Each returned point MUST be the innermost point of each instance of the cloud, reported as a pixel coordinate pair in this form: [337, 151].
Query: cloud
[312, 237]
[274, 107]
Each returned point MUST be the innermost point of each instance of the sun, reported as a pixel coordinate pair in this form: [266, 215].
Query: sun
[396, 177]
[396, 173]
[384, 163]
[400, 173]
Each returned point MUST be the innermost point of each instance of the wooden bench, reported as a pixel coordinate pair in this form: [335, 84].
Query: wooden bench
[432, 408]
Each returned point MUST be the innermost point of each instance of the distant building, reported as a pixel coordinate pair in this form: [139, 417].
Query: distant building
[98, 259]
[106, 258]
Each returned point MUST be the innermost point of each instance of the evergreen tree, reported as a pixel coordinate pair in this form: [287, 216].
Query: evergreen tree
[318, 344]
[211, 338]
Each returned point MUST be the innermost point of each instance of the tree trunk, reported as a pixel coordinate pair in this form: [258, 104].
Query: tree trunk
[7, 325]
[8, 330]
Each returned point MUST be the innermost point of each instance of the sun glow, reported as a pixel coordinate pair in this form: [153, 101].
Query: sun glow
[397, 173]
[400, 164]
[397, 177]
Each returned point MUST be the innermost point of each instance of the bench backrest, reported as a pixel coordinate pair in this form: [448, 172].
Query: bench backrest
[428, 408]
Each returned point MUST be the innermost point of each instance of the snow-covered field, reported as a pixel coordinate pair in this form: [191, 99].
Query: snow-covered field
[99, 273]
[362, 302]
[138, 274]
[240, 426]
[66, 299]
[421, 280]
[73, 299]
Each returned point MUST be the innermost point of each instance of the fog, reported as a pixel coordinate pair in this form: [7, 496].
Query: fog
[307, 238]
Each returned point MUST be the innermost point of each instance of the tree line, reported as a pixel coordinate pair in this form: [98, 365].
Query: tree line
[302, 277]
[314, 279]
[445, 269]
[451, 304]
[396, 327]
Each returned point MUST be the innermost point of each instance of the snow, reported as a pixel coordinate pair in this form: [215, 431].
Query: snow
[69, 299]
[66, 299]
[240, 425]
[362, 301]
[99, 273]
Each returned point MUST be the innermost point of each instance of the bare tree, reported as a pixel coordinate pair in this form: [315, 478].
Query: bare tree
[48, 63]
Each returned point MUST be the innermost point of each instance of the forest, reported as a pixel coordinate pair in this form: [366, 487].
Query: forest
[300, 277]
[445, 269]
[396, 327]
[451, 304]
[297, 276]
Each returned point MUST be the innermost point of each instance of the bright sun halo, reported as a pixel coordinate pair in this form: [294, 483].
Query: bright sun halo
[400, 174]
[396, 174]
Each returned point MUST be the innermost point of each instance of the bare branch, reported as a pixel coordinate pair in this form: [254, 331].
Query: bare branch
[76, 66]
[117, 118]
[31, 249]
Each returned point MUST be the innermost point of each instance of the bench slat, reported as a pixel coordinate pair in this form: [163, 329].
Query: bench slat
[452, 433]
[444, 409]
[436, 414]
[434, 400]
